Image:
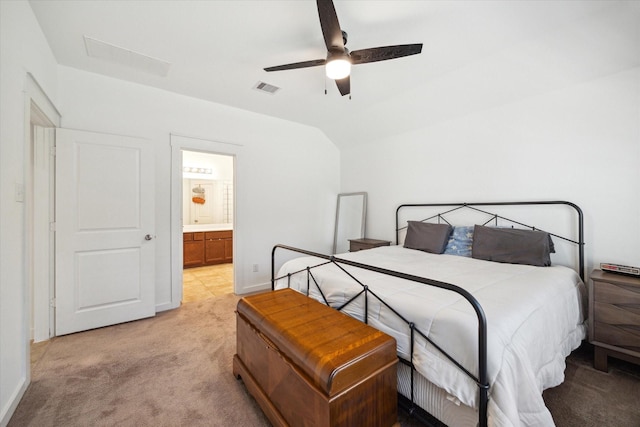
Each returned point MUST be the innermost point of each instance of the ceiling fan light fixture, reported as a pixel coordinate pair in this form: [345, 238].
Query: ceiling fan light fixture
[338, 68]
[339, 60]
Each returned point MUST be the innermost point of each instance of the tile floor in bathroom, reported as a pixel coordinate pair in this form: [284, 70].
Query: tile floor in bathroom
[206, 282]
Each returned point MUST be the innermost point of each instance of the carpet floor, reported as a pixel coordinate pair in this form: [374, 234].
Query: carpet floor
[175, 370]
[170, 370]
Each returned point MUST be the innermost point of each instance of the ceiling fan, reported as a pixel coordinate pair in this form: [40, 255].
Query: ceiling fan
[339, 60]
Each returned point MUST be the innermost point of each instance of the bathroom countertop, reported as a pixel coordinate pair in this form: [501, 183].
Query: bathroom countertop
[190, 228]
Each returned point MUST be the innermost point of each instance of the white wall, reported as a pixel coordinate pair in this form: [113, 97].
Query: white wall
[580, 143]
[287, 174]
[23, 49]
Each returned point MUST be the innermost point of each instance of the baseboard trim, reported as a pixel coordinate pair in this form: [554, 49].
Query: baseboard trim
[259, 287]
[16, 397]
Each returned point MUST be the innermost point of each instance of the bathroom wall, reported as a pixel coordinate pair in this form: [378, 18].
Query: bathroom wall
[213, 175]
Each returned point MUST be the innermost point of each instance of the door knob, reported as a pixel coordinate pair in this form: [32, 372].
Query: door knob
[148, 237]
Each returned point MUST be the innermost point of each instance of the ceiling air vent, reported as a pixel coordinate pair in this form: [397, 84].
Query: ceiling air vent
[266, 87]
[126, 57]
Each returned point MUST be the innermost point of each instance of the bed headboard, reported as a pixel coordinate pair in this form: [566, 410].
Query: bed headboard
[563, 220]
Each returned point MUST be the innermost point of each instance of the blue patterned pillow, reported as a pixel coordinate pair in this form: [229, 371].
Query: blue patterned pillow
[460, 241]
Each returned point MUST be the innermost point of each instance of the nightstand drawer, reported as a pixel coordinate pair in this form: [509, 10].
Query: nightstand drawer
[623, 314]
[623, 336]
[611, 293]
[614, 318]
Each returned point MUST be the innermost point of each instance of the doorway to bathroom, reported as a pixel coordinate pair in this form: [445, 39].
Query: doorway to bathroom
[207, 223]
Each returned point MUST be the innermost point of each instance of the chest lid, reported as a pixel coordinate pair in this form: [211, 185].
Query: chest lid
[334, 350]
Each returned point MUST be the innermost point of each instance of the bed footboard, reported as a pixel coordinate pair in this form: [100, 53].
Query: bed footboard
[481, 380]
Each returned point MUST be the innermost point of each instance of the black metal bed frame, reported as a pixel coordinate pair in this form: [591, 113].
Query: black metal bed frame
[482, 379]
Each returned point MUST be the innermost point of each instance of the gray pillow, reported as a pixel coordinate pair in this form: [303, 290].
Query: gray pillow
[427, 237]
[511, 245]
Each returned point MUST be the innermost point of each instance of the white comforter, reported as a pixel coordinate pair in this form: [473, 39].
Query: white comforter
[534, 314]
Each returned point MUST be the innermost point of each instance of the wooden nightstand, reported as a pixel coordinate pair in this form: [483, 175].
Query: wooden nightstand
[614, 317]
[360, 244]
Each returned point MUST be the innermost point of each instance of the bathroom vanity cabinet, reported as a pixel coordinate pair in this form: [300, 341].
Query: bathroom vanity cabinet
[207, 248]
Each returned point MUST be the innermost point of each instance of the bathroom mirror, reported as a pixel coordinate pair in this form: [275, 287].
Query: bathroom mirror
[207, 201]
[351, 212]
[207, 190]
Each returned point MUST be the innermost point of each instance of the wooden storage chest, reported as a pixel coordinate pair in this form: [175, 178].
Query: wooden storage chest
[309, 365]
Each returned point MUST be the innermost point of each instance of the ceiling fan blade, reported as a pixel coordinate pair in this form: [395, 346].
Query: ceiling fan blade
[330, 25]
[384, 53]
[304, 64]
[344, 86]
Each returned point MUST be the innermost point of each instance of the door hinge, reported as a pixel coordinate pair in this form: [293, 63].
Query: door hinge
[52, 151]
[52, 226]
[52, 302]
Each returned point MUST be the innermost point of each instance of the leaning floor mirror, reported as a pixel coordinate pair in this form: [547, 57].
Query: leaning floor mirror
[351, 213]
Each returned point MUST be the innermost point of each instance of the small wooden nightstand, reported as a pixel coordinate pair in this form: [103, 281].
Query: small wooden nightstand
[360, 244]
[614, 317]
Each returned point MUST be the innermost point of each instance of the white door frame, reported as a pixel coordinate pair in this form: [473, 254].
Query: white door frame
[38, 110]
[178, 144]
[41, 202]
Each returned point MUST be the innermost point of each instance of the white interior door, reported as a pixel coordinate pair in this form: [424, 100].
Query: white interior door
[104, 230]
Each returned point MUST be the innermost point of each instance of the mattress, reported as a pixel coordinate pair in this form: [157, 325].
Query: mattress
[434, 400]
[535, 318]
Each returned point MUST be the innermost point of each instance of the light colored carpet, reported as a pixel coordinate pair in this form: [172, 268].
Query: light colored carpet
[175, 370]
[171, 370]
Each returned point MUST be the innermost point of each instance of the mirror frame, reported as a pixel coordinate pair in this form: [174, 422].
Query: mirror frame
[363, 218]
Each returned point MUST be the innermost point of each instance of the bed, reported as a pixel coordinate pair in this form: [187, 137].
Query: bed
[482, 329]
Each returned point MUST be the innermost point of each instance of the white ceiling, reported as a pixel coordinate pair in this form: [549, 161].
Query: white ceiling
[476, 54]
